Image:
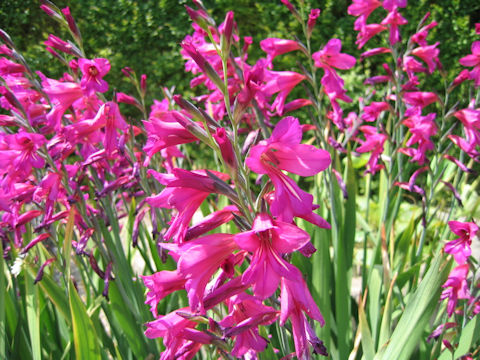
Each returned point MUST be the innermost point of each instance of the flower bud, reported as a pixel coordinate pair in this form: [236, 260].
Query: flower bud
[227, 31]
[42, 268]
[226, 148]
[312, 19]
[71, 23]
[203, 64]
[200, 17]
[143, 84]
[292, 9]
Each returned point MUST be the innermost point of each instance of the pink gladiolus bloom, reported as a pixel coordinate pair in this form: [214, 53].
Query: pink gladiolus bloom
[275, 47]
[420, 98]
[421, 36]
[429, 54]
[295, 301]
[312, 19]
[56, 43]
[109, 116]
[460, 248]
[70, 21]
[163, 130]
[440, 329]
[394, 19]
[281, 82]
[367, 32]
[331, 57]
[198, 260]
[9, 67]
[373, 142]
[246, 313]
[283, 151]
[422, 129]
[461, 77]
[5, 50]
[173, 328]
[296, 104]
[62, 96]
[185, 192]
[456, 287]
[473, 60]
[470, 119]
[18, 154]
[362, 9]
[268, 241]
[373, 111]
[412, 66]
[93, 73]
[127, 99]
[160, 285]
[49, 188]
[410, 186]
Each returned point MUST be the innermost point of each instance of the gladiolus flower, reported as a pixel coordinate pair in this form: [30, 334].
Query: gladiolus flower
[312, 19]
[295, 301]
[246, 313]
[275, 47]
[460, 248]
[473, 60]
[268, 241]
[362, 9]
[394, 19]
[93, 73]
[283, 151]
[373, 142]
[456, 287]
[160, 285]
[198, 260]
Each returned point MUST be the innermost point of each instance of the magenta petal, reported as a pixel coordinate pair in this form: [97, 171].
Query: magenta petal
[262, 222]
[289, 199]
[247, 241]
[102, 86]
[343, 61]
[254, 161]
[301, 159]
[262, 275]
[288, 131]
[469, 60]
[290, 238]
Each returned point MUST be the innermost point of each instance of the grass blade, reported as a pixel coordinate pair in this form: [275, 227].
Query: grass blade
[470, 335]
[418, 312]
[84, 336]
[33, 316]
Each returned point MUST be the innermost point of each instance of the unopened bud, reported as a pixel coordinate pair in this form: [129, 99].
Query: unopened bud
[39, 276]
[203, 64]
[227, 32]
[226, 148]
[128, 72]
[143, 84]
[192, 127]
[71, 23]
[200, 17]
[312, 19]
[292, 9]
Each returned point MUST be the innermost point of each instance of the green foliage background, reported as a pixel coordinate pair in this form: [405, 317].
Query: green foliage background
[145, 35]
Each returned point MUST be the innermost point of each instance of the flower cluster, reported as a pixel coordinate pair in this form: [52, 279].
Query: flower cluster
[228, 229]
